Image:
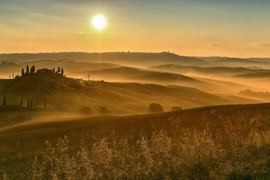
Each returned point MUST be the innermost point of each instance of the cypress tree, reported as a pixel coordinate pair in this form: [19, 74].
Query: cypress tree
[22, 72]
[4, 101]
[58, 69]
[27, 69]
[62, 71]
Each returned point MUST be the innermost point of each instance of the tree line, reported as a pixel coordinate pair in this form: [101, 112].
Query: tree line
[29, 103]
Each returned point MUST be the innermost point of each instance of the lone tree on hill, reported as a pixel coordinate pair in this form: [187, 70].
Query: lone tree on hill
[176, 108]
[58, 69]
[27, 69]
[103, 111]
[155, 108]
[85, 111]
[22, 72]
[4, 101]
[62, 71]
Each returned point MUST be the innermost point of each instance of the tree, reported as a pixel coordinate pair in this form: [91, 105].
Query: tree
[27, 69]
[32, 70]
[53, 71]
[85, 111]
[22, 72]
[58, 69]
[62, 71]
[88, 75]
[4, 101]
[176, 108]
[103, 111]
[155, 108]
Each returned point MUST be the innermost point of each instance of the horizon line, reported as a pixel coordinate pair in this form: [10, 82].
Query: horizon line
[144, 52]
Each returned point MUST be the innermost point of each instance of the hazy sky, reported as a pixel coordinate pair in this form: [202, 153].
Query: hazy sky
[239, 28]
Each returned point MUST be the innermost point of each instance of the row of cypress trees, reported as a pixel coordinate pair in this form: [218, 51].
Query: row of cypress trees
[32, 70]
[29, 103]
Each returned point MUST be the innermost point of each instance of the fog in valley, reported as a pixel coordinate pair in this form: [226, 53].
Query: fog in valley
[126, 83]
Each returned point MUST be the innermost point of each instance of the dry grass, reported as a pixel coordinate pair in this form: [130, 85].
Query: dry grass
[220, 144]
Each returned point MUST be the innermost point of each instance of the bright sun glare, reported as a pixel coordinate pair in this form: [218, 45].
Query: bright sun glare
[99, 22]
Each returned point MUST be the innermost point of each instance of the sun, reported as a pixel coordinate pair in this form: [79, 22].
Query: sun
[99, 22]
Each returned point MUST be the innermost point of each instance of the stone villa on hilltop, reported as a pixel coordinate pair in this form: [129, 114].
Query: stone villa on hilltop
[41, 71]
[45, 71]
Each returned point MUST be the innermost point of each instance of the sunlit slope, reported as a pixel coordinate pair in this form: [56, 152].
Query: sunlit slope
[129, 74]
[117, 97]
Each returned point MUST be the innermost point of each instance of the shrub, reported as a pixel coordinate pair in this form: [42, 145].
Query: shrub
[103, 111]
[176, 108]
[85, 111]
[155, 108]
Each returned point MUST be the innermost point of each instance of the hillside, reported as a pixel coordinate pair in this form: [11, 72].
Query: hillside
[119, 98]
[232, 133]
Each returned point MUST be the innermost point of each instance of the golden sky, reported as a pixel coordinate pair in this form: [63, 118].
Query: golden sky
[235, 28]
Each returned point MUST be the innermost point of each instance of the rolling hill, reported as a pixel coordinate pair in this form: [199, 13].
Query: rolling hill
[119, 98]
[69, 66]
[252, 75]
[130, 74]
[238, 62]
[203, 71]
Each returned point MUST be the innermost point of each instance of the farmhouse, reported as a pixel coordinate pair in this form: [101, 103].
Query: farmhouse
[44, 71]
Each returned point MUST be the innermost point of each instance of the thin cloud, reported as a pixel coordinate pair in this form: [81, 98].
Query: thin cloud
[265, 44]
[215, 45]
[44, 15]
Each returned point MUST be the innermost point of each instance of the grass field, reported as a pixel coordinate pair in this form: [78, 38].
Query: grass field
[222, 142]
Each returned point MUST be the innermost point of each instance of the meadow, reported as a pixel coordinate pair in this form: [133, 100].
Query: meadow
[218, 142]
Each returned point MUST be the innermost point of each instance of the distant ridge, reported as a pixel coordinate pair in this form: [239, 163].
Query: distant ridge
[121, 58]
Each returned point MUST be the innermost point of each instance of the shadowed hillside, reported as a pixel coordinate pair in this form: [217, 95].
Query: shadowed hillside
[205, 137]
